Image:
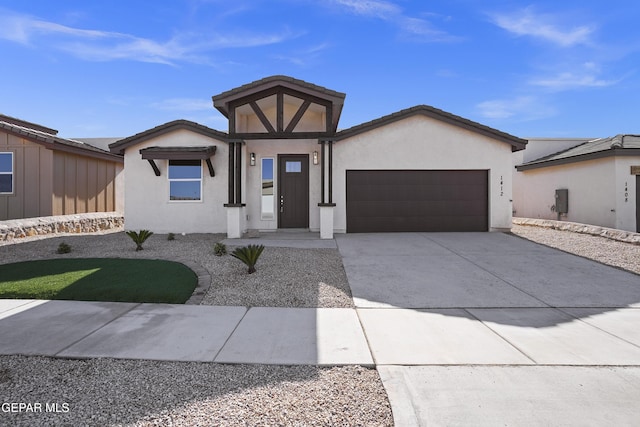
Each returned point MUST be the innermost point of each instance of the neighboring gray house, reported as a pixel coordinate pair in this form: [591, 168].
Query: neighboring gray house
[283, 164]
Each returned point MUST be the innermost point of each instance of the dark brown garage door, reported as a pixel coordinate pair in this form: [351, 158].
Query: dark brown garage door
[417, 200]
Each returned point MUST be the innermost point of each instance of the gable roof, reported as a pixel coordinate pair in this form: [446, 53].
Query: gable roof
[222, 101]
[434, 113]
[53, 142]
[123, 144]
[28, 125]
[619, 145]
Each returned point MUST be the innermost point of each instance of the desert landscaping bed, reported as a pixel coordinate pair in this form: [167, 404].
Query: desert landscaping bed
[286, 277]
[107, 392]
[147, 393]
[611, 252]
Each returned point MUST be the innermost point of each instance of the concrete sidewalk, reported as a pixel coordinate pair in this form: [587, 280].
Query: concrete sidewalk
[438, 366]
[321, 336]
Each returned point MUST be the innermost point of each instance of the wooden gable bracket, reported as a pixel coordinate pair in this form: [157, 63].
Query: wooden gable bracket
[263, 119]
[212, 173]
[154, 166]
[296, 118]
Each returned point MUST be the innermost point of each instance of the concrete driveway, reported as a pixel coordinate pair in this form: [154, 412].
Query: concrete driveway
[490, 329]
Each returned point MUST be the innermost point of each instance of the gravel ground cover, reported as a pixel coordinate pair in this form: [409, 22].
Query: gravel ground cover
[106, 392]
[607, 251]
[285, 277]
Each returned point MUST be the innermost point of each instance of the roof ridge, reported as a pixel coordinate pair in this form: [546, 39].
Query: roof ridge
[543, 158]
[437, 114]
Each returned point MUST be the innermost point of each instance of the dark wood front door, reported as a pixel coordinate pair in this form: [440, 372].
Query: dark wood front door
[293, 191]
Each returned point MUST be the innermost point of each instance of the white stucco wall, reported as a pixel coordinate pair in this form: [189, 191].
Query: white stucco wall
[147, 204]
[625, 193]
[419, 142]
[592, 192]
[120, 188]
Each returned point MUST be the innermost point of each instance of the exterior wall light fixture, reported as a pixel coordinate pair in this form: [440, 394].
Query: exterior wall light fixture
[315, 157]
[252, 159]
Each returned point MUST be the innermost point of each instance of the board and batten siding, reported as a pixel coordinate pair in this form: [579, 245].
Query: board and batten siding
[83, 184]
[48, 182]
[32, 179]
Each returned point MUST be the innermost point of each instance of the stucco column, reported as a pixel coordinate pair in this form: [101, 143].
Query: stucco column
[235, 224]
[326, 220]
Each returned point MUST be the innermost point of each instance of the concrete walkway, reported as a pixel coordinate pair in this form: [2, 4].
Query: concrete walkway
[464, 329]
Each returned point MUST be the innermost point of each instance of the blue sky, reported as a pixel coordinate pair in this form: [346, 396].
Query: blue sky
[114, 68]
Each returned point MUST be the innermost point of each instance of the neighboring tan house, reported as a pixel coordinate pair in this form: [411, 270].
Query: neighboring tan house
[592, 182]
[42, 174]
[283, 165]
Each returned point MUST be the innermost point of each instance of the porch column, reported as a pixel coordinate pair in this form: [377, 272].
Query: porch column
[235, 207]
[326, 204]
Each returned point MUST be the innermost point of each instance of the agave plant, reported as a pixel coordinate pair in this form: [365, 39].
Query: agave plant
[139, 237]
[248, 255]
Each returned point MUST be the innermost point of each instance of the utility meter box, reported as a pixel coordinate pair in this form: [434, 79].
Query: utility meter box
[562, 201]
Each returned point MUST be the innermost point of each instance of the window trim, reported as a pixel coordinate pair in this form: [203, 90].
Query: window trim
[12, 173]
[170, 180]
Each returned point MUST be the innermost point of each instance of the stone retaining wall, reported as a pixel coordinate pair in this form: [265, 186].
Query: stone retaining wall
[594, 230]
[80, 223]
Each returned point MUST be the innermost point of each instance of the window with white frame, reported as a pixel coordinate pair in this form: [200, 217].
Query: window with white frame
[267, 202]
[6, 173]
[185, 180]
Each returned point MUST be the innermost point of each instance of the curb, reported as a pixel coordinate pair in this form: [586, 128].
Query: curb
[575, 227]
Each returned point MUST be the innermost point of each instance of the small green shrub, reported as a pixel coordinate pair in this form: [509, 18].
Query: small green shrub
[139, 237]
[63, 248]
[248, 255]
[220, 249]
[171, 236]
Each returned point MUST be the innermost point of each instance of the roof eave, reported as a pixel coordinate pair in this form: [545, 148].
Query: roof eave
[120, 146]
[516, 143]
[51, 143]
[579, 158]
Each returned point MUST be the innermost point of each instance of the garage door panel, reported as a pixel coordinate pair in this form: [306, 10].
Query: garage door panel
[409, 200]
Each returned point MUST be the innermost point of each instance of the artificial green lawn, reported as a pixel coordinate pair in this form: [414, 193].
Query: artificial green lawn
[98, 279]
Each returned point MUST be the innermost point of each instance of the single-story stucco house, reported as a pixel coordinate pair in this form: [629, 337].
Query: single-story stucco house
[283, 164]
[42, 174]
[597, 182]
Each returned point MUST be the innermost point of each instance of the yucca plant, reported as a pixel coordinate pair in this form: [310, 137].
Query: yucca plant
[248, 255]
[139, 237]
[220, 249]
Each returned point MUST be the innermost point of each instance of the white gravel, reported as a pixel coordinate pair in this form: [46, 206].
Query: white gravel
[285, 277]
[106, 392]
[607, 251]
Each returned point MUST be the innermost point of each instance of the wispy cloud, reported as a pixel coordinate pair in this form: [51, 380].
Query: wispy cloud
[304, 57]
[527, 22]
[418, 28]
[569, 80]
[586, 75]
[96, 45]
[523, 108]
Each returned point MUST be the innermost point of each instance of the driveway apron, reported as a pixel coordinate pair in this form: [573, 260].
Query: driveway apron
[491, 329]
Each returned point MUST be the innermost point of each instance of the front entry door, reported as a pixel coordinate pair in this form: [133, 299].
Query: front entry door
[293, 191]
